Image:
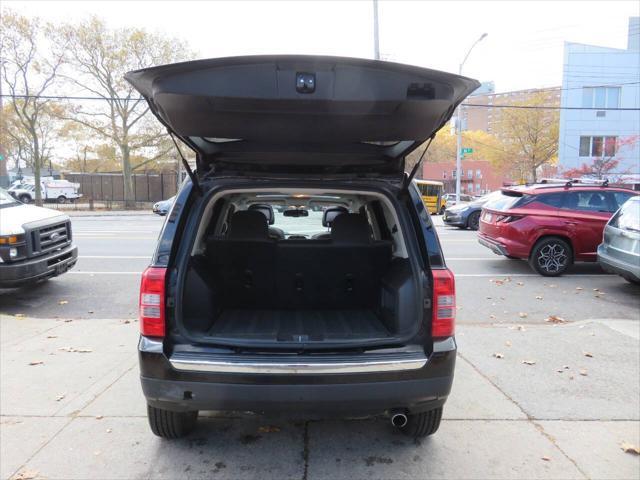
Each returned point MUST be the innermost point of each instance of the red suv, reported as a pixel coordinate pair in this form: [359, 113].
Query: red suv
[550, 225]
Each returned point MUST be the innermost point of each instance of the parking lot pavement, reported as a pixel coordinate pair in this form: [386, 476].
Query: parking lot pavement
[563, 414]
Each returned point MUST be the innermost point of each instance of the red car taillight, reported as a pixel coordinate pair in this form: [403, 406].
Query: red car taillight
[152, 320]
[508, 218]
[444, 304]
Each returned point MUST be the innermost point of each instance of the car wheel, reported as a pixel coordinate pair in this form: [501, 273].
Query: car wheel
[170, 424]
[423, 424]
[473, 222]
[550, 257]
[24, 198]
[62, 199]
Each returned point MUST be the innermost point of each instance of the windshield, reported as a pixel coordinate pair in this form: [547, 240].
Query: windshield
[487, 198]
[307, 226]
[6, 199]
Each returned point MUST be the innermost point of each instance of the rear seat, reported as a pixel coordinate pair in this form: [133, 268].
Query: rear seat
[254, 271]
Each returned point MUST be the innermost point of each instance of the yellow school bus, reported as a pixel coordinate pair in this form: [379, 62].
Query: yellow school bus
[432, 195]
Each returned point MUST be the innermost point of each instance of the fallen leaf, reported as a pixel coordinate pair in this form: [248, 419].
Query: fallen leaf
[60, 397]
[99, 417]
[566, 367]
[63, 302]
[109, 430]
[52, 336]
[570, 377]
[552, 285]
[596, 289]
[498, 355]
[579, 288]
[127, 321]
[521, 328]
[492, 316]
[555, 319]
[498, 282]
[268, 429]
[529, 362]
[90, 311]
[538, 297]
[67, 321]
[19, 315]
[39, 362]
[523, 315]
[588, 354]
[75, 350]
[545, 458]
[520, 284]
[630, 448]
[583, 372]
[508, 343]
[25, 475]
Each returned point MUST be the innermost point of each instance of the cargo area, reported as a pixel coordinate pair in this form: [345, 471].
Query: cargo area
[337, 274]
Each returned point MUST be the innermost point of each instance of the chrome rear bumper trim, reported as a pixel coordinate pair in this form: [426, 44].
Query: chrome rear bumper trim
[194, 364]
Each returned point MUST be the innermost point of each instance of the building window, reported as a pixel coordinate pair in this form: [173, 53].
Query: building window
[470, 174]
[598, 146]
[478, 173]
[477, 188]
[601, 97]
[444, 175]
[453, 174]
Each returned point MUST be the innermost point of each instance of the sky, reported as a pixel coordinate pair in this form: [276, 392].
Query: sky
[523, 48]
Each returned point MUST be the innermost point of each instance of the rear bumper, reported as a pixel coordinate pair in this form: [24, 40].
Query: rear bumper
[492, 245]
[614, 265]
[45, 266]
[415, 389]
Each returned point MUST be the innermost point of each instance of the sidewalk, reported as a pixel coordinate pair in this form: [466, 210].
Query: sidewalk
[80, 413]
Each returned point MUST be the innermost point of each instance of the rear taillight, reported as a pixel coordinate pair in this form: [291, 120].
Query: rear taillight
[152, 320]
[444, 304]
[508, 218]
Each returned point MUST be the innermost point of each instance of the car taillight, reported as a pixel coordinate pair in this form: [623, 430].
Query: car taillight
[508, 218]
[444, 304]
[152, 302]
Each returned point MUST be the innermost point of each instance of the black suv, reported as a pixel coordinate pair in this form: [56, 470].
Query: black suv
[298, 269]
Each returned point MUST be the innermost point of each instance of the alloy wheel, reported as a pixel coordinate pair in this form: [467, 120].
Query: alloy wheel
[552, 258]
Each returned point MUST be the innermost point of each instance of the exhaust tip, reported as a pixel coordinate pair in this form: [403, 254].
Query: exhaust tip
[399, 420]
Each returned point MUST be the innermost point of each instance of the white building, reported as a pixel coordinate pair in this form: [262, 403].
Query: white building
[597, 79]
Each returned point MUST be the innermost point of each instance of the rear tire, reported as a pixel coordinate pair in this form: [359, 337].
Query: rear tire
[170, 424]
[62, 199]
[423, 424]
[24, 198]
[473, 222]
[551, 257]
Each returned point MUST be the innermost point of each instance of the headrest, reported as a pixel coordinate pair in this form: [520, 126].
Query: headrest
[350, 228]
[248, 225]
[266, 210]
[330, 215]
[596, 200]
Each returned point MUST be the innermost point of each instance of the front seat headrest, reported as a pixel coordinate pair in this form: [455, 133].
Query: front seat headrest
[330, 214]
[350, 228]
[266, 210]
[248, 225]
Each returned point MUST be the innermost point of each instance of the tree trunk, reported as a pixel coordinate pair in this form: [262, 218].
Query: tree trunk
[534, 174]
[36, 168]
[129, 200]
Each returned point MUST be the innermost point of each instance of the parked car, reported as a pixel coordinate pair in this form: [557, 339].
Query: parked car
[358, 319]
[550, 225]
[35, 243]
[162, 207]
[450, 199]
[619, 251]
[467, 215]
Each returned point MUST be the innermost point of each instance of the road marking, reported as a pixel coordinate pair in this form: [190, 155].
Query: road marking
[530, 275]
[113, 237]
[147, 257]
[472, 258]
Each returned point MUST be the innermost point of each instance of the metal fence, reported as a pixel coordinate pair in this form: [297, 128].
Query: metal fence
[109, 187]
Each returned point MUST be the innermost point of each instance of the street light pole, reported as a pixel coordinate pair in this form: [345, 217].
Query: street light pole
[376, 36]
[459, 124]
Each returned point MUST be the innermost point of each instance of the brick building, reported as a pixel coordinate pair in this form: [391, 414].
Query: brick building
[478, 176]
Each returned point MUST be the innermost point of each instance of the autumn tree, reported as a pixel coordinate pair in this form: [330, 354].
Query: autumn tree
[98, 58]
[529, 137]
[29, 72]
[601, 167]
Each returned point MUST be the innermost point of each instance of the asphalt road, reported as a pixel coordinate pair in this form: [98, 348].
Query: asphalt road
[114, 249]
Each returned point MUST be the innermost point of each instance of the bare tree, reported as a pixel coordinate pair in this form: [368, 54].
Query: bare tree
[28, 74]
[99, 58]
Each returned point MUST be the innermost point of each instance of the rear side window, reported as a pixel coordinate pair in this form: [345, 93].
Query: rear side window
[628, 218]
[551, 199]
[589, 201]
